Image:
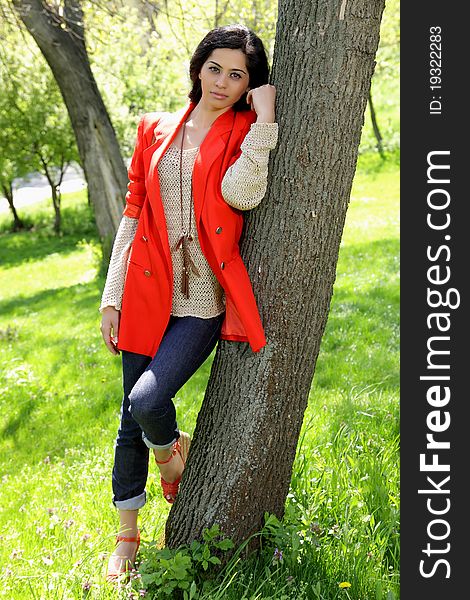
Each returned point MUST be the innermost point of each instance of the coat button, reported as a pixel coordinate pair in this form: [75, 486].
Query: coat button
[145, 239]
[218, 230]
[147, 273]
[222, 265]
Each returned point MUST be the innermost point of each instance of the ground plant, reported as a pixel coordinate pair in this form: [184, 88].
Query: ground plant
[60, 400]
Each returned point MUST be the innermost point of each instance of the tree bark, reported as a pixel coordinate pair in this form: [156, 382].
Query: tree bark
[375, 127]
[246, 435]
[55, 189]
[8, 193]
[61, 40]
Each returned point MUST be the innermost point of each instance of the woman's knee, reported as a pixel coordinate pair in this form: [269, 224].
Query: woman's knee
[144, 406]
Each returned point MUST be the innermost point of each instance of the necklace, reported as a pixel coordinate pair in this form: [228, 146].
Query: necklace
[185, 237]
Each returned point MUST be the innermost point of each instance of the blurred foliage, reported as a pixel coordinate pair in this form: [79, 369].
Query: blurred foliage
[140, 57]
[139, 52]
[385, 87]
[35, 131]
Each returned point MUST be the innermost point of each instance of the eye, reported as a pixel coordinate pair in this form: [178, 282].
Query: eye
[237, 75]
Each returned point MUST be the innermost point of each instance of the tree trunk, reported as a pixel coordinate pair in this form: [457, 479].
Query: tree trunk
[56, 196]
[375, 127]
[61, 40]
[246, 435]
[8, 193]
[55, 190]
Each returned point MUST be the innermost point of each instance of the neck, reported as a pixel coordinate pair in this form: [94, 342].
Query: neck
[202, 116]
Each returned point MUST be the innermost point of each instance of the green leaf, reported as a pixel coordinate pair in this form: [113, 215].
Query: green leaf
[225, 544]
[213, 532]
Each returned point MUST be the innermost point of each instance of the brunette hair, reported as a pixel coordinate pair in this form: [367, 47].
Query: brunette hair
[237, 37]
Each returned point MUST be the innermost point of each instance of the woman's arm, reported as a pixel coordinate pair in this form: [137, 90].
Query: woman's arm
[114, 286]
[135, 197]
[112, 294]
[245, 182]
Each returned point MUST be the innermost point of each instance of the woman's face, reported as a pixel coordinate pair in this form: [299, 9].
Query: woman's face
[224, 77]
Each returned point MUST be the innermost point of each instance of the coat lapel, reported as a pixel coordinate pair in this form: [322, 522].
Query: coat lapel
[212, 146]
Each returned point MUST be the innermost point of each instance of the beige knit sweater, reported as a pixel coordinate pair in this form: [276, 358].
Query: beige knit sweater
[243, 187]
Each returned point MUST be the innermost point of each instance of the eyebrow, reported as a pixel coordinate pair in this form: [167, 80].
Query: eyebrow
[213, 61]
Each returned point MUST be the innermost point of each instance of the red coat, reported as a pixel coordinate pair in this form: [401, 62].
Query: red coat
[148, 288]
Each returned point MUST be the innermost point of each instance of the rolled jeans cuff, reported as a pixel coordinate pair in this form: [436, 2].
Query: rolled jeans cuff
[132, 503]
[149, 444]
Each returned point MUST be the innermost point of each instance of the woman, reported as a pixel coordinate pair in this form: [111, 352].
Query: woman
[176, 282]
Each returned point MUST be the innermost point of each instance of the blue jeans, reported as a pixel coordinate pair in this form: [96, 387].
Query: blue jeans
[148, 414]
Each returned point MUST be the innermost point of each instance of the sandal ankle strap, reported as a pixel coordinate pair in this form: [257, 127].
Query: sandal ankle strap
[122, 538]
[173, 452]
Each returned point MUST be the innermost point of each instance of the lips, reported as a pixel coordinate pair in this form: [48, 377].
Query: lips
[220, 96]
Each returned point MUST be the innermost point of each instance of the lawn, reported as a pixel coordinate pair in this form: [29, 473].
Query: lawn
[60, 393]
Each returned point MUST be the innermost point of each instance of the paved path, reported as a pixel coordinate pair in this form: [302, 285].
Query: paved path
[35, 188]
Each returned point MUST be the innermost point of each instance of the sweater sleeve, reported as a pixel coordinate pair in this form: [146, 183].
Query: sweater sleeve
[245, 181]
[114, 286]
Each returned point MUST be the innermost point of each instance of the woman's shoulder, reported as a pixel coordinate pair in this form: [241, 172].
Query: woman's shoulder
[152, 118]
[246, 117]
[149, 122]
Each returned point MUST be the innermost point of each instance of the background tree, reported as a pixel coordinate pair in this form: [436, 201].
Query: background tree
[136, 49]
[381, 127]
[247, 430]
[375, 126]
[36, 134]
[13, 162]
[61, 24]
[59, 31]
[51, 136]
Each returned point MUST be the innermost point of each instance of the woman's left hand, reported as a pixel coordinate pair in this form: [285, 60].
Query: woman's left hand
[262, 101]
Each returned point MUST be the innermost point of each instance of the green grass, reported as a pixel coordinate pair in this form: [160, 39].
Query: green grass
[60, 393]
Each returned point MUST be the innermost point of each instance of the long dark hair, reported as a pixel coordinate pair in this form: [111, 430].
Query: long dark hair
[237, 37]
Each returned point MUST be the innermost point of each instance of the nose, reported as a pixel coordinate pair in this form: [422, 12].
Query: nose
[220, 81]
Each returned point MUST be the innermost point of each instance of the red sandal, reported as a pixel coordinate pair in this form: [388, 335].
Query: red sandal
[171, 489]
[126, 565]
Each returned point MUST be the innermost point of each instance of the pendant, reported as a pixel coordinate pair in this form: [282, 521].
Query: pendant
[188, 264]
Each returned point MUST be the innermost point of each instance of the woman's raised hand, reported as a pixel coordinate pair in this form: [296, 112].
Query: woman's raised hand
[109, 328]
[262, 101]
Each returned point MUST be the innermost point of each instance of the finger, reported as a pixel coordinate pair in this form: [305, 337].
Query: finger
[115, 322]
[106, 329]
[114, 336]
[112, 330]
[112, 347]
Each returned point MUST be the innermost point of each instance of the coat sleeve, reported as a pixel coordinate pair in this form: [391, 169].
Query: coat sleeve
[136, 193]
[136, 187]
[245, 181]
